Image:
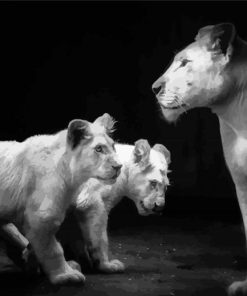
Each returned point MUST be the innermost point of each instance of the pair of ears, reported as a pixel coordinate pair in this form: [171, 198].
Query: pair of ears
[79, 130]
[142, 152]
[218, 38]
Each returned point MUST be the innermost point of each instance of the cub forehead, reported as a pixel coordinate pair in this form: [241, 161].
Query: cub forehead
[100, 135]
[97, 129]
[102, 140]
[158, 174]
[158, 161]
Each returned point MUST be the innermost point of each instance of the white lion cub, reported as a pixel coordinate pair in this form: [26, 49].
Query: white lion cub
[143, 179]
[40, 176]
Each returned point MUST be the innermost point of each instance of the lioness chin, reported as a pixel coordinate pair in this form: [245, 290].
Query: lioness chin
[212, 72]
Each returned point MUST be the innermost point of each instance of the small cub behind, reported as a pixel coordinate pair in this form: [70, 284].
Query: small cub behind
[143, 179]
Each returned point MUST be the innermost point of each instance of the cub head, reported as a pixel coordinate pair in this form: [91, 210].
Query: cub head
[91, 149]
[198, 75]
[148, 179]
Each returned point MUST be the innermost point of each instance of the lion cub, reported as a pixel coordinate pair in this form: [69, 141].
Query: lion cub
[40, 177]
[143, 179]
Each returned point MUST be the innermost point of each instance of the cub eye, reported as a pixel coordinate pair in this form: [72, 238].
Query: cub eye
[153, 184]
[99, 149]
[184, 62]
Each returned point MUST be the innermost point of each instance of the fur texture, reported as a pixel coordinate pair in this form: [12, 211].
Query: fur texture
[39, 179]
[143, 179]
[212, 72]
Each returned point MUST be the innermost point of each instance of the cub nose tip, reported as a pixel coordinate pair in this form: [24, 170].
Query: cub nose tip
[117, 167]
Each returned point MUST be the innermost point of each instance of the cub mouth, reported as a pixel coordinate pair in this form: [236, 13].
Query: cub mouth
[143, 207]
[153, 212]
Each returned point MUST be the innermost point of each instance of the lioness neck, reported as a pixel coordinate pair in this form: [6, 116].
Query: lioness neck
[232, 114]
[232, 109]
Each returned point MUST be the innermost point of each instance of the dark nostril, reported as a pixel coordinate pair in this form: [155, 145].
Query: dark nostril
[117, 167]
[156, 90]
[157, 208]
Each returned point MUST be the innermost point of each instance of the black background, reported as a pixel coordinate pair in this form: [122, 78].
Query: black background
[64, 60]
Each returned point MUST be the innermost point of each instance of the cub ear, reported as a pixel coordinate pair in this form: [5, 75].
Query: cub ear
[142, 153]
[219, 37]
[107, 122]
[162, 149]
[77, 130]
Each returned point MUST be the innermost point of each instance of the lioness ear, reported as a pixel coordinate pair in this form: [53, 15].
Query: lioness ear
[107, 122]
[218, 37]
[77, 130]
[162, 149]
[142, 152]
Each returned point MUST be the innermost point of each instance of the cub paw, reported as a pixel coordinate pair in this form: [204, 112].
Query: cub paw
[113, 266]
[71, 276]
[74, 265]
[31, 265]
[238, 288]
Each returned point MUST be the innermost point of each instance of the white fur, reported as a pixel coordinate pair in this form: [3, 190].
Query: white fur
[96, 200]
[219, 81]
[39, 179]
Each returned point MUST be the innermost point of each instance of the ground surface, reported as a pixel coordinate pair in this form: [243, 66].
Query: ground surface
[177, 256]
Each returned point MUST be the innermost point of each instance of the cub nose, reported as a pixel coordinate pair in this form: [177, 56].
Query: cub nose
[117, 167]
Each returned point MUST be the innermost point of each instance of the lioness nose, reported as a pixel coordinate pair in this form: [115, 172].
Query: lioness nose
[156, 89]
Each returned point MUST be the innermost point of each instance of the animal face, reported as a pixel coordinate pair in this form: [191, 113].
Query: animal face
[198, 74]
[92, 150]
[148, 179]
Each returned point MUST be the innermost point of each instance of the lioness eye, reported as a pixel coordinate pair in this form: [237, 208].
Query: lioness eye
[99, 149]
[153, 184]
[184, 62]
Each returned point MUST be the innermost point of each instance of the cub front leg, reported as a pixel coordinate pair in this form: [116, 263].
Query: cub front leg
[93, 225]
[240, 287]
[41, 234]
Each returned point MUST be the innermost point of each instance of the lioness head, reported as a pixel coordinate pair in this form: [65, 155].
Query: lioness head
[199, 74]
[147, 178]
[91, 149]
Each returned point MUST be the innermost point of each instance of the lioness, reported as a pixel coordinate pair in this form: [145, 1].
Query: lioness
[143, 179]
[212, 72]
[40, 177]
